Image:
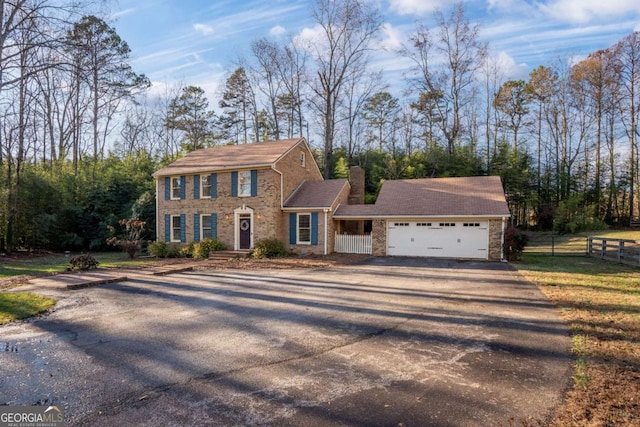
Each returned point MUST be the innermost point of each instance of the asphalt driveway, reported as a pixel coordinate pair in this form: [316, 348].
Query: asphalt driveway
[387, 342]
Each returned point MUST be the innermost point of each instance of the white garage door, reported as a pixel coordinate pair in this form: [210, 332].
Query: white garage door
[439, 239]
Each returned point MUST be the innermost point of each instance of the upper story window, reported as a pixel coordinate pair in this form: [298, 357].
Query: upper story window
[303, 159]
[244, 184]
[175, 188]
[205, 186]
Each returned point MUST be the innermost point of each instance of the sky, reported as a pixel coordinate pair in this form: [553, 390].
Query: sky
[192, 42]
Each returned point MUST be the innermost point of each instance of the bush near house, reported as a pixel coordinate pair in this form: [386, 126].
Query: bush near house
[269, 248]
[514, 243]
[197, 250]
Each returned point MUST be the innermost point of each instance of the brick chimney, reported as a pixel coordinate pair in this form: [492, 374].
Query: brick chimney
[356, 179]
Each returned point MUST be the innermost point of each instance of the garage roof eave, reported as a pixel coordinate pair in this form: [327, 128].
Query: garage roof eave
[391, 217]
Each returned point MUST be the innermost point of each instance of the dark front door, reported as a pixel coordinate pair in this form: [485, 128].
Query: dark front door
[245, 231]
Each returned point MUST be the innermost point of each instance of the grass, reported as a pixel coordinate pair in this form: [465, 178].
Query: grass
[20, 305]
[55, 263]
[600, 301]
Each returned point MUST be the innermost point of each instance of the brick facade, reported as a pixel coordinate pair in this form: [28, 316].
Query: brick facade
[326, 228]
[274, 184]
[379, 237]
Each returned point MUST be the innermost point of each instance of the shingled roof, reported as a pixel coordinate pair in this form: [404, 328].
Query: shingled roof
[230, 156]
[435, 197]
[316, 194]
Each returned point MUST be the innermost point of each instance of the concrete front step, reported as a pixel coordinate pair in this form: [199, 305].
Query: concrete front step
[227, 255]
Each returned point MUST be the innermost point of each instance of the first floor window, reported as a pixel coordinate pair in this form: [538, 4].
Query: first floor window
[205, 226]
[304, 228]
[176, 228]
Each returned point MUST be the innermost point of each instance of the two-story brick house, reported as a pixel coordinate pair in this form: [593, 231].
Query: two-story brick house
[243, 193]
[240, 194]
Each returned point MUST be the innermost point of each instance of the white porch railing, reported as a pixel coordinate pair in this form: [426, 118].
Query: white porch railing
[353, 244]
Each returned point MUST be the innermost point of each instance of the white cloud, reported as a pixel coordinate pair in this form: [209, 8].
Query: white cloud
[583, 11]
[508, 66]
[392, 38]
[121, 13]
[416, 7]
[203, 29]
[277, 30]
[310, 37]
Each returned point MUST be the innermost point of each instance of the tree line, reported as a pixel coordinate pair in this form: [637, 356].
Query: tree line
[80, 134]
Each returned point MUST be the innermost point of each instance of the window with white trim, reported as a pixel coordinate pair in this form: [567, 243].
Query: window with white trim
[205, 226]
[175, 188]
[205, 186]
[176, 228]
[244, 184]
[303, 159]
[304, 228]
[447, 224]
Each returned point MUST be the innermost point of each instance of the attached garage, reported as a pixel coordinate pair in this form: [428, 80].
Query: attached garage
[461, 218]
[438, 239]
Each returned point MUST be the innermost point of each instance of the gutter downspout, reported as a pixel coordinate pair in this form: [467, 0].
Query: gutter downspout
[502, 240]
[157, 210]
[326, 232]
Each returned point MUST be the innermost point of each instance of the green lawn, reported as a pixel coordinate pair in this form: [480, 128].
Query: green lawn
[600, 301]
[20, 305]
[55, 263]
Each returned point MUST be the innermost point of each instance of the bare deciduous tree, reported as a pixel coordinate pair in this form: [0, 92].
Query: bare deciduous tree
[347, 30]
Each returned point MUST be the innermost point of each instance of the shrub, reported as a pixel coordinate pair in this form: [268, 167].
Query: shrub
[83, 262]
[174, 250]
[575, 215]
[130, 239]
[158, 249]
[186, 251]
[201, 250]
[514, 243]
[269, 248]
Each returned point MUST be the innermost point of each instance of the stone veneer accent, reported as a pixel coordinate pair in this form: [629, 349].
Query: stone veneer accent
[495, 239]
[379, 237]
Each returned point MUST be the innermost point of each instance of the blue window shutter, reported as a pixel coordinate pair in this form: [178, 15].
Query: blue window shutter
[183, 228]
[214, 225]
[254, 182]
[196, 187]
[234, 184]
[167, 228]
[292, 228]
[214, 185]
[314, 228]
[183, 187]
[196, 227]
[167, 188]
